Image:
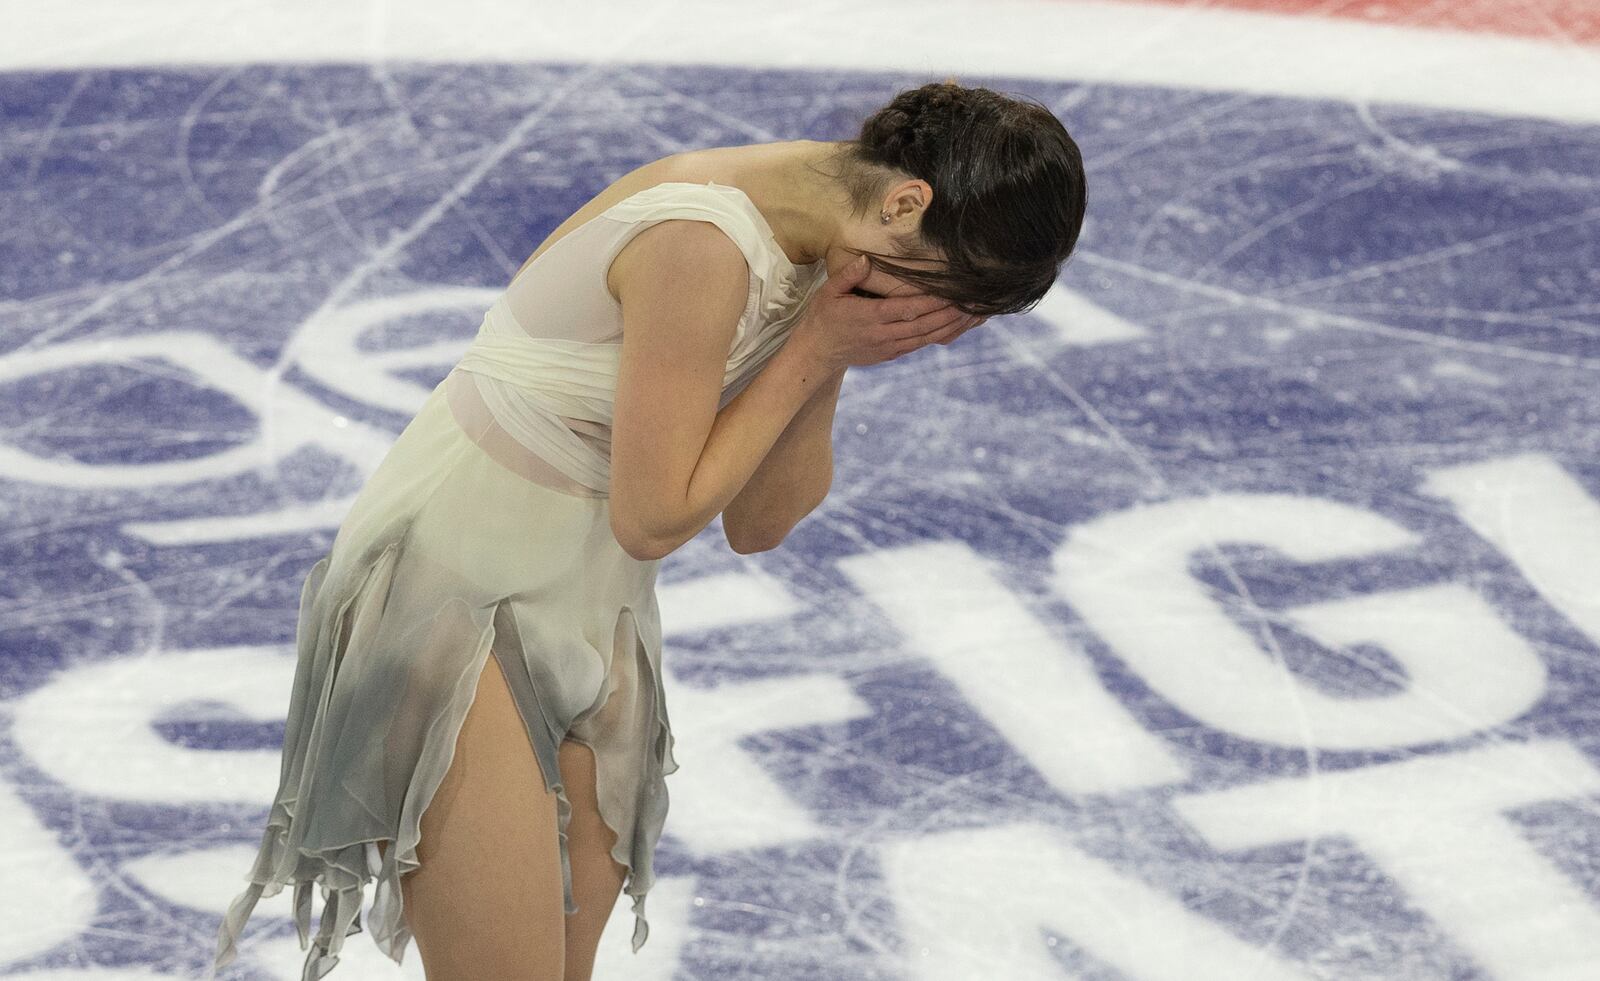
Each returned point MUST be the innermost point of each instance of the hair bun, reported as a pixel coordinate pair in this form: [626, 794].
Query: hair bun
[905, 131]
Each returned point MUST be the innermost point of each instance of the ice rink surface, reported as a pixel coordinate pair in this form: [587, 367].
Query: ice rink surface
[1232, 616]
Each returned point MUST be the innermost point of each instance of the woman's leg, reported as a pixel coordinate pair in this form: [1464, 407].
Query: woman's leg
[486, 904]
[596, 877]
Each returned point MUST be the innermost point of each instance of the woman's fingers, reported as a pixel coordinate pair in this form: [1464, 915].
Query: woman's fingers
[910, 308]
[943, 334]
[934, 320]
[938, 318]
[954, 330]
[957, 322]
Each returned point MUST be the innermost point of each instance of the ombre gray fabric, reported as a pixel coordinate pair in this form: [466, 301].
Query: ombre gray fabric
[485, 531]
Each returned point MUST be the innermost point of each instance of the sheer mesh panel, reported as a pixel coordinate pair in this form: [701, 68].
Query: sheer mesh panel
[474, 417]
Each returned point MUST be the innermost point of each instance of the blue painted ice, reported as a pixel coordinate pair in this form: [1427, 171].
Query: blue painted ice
[1231, 615]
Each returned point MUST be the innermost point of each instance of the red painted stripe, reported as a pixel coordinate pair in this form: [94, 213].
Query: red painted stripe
[1549, 20]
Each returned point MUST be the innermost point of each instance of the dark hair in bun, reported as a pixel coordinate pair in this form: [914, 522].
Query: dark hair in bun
[1008, 192]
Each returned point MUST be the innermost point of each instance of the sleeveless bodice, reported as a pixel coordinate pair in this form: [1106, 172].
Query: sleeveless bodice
[545, 358]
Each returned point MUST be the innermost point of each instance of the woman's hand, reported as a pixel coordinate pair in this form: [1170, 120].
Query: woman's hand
[845, 329]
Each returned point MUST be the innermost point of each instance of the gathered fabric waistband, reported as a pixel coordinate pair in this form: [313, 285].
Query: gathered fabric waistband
[537, 392]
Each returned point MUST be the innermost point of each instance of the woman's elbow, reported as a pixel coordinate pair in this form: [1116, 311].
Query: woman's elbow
[643, 553]
[640, 546]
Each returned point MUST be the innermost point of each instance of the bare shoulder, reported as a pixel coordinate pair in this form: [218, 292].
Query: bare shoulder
[681, 257]
[677, 277]
[696, 254]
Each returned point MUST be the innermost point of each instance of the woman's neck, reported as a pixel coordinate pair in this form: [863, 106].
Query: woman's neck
[806, 208]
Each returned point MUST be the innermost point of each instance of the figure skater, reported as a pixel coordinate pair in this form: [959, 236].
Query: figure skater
[477, 720]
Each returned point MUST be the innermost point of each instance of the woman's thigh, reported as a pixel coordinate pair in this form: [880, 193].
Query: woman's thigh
[486, 903]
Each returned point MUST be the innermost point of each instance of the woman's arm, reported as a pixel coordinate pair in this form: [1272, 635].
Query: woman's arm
[791, 480]
[676, 460]
[742, 434]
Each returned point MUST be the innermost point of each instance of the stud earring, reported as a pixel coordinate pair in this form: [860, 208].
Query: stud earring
[885, 218]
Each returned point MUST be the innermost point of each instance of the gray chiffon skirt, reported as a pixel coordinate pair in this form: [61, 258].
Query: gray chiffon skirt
[454, 551]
